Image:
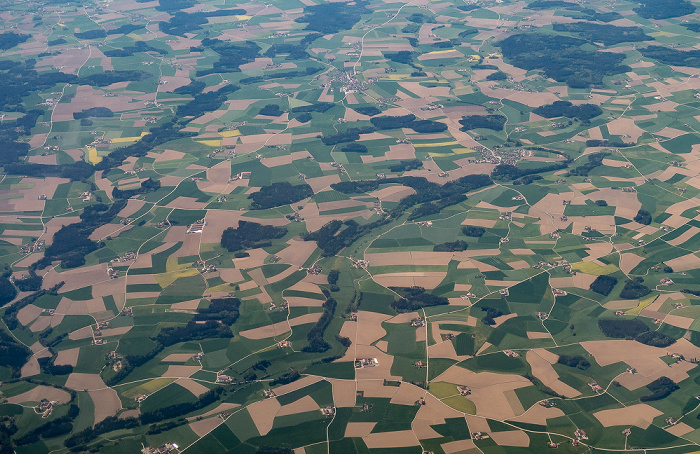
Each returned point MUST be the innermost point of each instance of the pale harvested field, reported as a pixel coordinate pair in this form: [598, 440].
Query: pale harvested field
[376, 388]
[349, 330]
[392, 193]
[231, 275]
[307, 287]
[107, 403]
[644, 358]
[87, 382]
[185, 305]
[69, 307]
[359, 429]
[684, 263]
[76, 278]
[491, 393]
[538, 335]
[426, 279]
[584, 281]
[543, 370]
[217, 222]
[405, 317]
[620, 305]
[31, 368]
[408, 258]
[55, 224]
[477, 424]
[132, 206]
[320, 183]
[511, 438]
[28, 313]
[380, 371]
[679, 429]
[692, 231]
[40, 392]
[622, 126]
[628, 261]
[640, 415]
[301, 383]
[263, 414]
[444, 349]
[218, 409]
[297, 252]
[256, 259]
[204, 426]
[275, 329]
[41, 323]
[499, 320]
[369, 327]
[306, 403]
[180, 371]
[399, 439]
[67, 357]
[459, 446]
[187, 203]
[538, 414]
[344, 392]
[407, 394]
[177, 357]
[82, 333]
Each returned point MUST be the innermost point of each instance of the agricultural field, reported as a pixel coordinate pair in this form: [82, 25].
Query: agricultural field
[310, 227]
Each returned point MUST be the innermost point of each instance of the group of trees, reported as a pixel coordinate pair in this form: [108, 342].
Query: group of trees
[660, 388]
[250, 235]
[350, 135]
[407, 121]
[414, 298]
[594, 160]
[317, 343]
[567, 109]
[193, 331]
[331, 239]
[562, 58]
[643, 217]
[231, 55]
[333, 17]
[77, 441]
[577, 361]
[473, 231]
[655, 9]
[98, 112]
[225, 310]
[491, 313]
[146, 186]
[181, 22]
[451, 246]
[675, 57]
[271, 110]
[634, 329]
[12, 353]
[405, 165]
[603, 284]
[72, 243]
[607, 34]
[506, 172]
[634, 289]
[156, 136]
[495, 122]
[128, 51]
[57, 427]
[279, 194]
